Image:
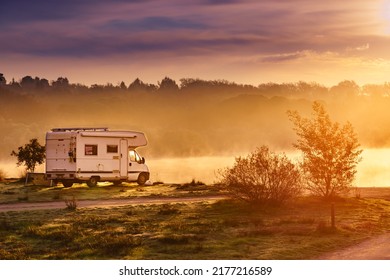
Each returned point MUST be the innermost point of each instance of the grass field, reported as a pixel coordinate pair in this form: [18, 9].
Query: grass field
[225, 229]
[13, 191]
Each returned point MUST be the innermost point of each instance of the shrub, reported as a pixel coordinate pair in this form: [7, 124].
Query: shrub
[167, 209]
[2, 175]
[71, 204]
[198, 185]
[262, 177]
[5, 223]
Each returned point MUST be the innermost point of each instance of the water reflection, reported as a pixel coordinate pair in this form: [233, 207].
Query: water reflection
[183, 170]
[373, 170]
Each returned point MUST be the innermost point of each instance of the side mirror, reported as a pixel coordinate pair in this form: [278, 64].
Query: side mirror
[143, 160]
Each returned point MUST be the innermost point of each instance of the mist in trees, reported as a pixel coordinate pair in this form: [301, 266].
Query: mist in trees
[189, 117]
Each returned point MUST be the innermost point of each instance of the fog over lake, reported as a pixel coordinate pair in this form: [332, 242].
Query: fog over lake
[199, 127]
[373, 170]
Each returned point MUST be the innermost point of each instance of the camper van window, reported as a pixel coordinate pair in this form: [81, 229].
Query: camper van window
[91, 150]
[134, 156]
[137, 157]
[112, 149]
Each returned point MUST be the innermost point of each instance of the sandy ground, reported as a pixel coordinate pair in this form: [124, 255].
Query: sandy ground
[377, 248]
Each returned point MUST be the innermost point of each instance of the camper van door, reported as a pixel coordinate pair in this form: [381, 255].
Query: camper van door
[124, 158]
[135, 165]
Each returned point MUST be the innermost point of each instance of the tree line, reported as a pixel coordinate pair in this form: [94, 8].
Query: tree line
[301, 89]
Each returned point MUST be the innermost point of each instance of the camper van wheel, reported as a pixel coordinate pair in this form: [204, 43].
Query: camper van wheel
[142, 178]
[92, 182]
[67, 184]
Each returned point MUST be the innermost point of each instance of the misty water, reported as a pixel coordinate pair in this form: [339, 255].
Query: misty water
[372, 171]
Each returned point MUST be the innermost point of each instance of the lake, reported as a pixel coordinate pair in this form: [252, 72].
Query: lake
[373, 170]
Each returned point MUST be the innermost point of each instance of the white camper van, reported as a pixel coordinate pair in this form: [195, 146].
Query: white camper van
[94, 154]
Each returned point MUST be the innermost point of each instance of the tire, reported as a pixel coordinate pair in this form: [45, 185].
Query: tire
[67, 184]
[142, 178]
[92, 182]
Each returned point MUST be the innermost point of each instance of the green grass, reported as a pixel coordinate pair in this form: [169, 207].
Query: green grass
[222, 230]
[15, 191]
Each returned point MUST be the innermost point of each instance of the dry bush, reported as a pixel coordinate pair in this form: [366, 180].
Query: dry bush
[167, 209]
[263, 178]
[71, 204]
[2, 175]
[5, 222]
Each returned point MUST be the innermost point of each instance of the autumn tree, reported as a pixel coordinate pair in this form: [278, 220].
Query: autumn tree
[139, 86]
[330, 152]
[122, 86]
[3, 81]
[345, 89]
[263, 177]
[61, 84]
[27, 82]
[30, 154]
[168, 85]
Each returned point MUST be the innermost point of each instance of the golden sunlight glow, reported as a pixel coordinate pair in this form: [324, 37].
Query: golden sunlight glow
[386, 9]
[385, 12]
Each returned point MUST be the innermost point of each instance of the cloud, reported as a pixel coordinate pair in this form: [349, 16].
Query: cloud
[28, 11]
[363, 47]
[283, 57]
[153, 23]
[221, 2]
[105, 45]
[193, 32]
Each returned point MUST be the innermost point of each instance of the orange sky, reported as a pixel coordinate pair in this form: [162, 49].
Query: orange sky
[252, 42]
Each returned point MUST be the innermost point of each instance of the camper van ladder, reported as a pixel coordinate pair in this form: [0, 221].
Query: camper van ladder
[79, 129]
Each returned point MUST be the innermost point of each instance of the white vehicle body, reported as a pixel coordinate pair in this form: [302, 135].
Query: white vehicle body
[94, 154]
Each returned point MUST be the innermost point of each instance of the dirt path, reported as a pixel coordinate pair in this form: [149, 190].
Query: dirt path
[377, 248]
[26, 206]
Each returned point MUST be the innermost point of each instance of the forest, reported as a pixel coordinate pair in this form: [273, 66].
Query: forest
[190, 117]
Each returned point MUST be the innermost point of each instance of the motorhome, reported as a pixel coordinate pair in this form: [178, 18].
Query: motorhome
[92, 155]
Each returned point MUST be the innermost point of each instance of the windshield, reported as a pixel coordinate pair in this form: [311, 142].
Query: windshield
[134, 156]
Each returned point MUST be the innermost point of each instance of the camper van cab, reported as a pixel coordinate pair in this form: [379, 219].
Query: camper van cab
[91, 155]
